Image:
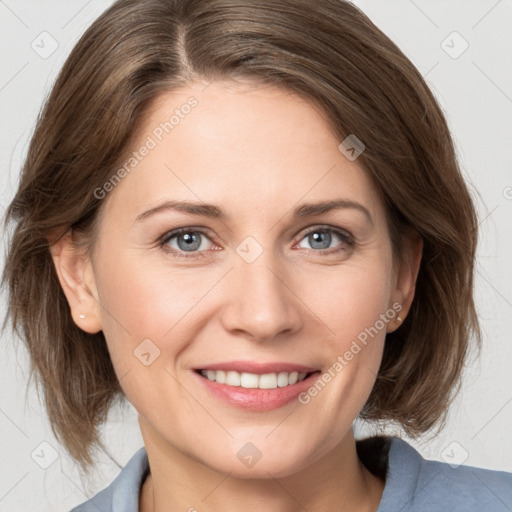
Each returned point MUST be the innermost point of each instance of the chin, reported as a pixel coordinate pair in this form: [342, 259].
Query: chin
[248, 460]
[267, 467]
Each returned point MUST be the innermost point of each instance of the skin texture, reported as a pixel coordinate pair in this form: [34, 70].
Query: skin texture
[258, 153]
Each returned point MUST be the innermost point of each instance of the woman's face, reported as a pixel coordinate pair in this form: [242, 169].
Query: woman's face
[257, 276]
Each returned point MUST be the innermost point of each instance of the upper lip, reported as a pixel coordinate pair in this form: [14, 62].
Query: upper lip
[257, 368]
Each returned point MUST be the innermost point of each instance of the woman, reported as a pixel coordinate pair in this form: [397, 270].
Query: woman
[247, 219]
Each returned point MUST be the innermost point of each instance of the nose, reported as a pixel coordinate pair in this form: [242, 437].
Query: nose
[261, 304]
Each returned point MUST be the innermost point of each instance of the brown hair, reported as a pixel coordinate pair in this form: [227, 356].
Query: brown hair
[329, 52]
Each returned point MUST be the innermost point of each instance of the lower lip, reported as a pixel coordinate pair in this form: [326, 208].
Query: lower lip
[256, 399]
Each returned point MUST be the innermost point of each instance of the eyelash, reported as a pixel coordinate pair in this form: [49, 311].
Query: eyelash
[345, 237]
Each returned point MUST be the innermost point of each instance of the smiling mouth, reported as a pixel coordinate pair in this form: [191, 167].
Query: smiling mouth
[248, 380]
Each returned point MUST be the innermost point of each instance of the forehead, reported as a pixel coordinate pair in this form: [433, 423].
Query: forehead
[246, 148]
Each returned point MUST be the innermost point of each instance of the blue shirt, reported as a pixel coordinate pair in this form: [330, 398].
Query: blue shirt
[413, 484]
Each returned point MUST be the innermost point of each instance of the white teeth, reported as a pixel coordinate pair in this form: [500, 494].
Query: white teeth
[232, 379]
[268, 381]
[282, 379]
[252, 380]
[249, 380]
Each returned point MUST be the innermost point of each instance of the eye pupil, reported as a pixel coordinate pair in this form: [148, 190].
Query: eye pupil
[192, 241]
[320, 239]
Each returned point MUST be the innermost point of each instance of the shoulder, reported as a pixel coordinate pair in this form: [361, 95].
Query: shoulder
[416, 484]
[122, 495]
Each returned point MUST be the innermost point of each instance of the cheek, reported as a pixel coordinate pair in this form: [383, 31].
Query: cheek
[349, 299]
[352, 302]
[357, 310]
[141, 300]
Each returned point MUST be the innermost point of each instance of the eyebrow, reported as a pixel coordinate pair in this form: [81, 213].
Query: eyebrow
[213, 211]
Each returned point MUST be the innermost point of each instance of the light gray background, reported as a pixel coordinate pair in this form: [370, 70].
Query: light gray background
[475, 91]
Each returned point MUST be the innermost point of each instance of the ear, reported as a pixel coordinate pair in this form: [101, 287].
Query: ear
[76, 276]
[406, 275]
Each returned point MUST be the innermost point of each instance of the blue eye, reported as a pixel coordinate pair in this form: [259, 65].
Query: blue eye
[187, 240]
[194, 241]
[321, 238]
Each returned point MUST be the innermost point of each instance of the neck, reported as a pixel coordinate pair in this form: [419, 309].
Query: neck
[336, 481]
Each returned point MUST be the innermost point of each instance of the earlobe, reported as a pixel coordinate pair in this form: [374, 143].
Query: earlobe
[406, 276]
[76, 276]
